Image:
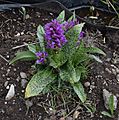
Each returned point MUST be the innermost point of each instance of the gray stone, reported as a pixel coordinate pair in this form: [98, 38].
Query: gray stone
[114, 71]
[23, 83]
[76, 114]
[23, 75]
[107, 69]
[69, 118]
[117, 70]
[10, 93]
[5, 84]
[87, 84]
[106, 96]
[117, 77]
[28, 103]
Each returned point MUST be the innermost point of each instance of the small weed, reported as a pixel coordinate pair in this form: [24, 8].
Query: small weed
[110, 106]
[111, 4]
[23, 12]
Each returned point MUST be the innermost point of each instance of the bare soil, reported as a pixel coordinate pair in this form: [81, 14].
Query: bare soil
[15, 31]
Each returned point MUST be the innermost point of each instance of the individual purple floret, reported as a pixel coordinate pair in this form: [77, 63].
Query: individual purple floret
[54, 35]
[81, 35]
[41, 57]
[68, 25]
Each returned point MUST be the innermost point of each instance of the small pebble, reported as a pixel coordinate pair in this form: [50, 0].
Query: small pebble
[76, 114]
[117, 70]
[15, 69]
[28, 103]
[20, 109]
[10, 93]
[51, 14]
[108, 59]
[22, 33]
[17, 35]
[39, 118]
[22, 91]
[117, 77]
[8, 78]
[6, 83]
[23, 75]
[8, 70]
[87, 84]
[23, 83]
[2, 68]
[7, 87]
[27, 16]
[5, 103]
[3, 75]
[13, 102]
[107, 69]
[69, 118]
[17, 79]
[114, 71]
[7, 56]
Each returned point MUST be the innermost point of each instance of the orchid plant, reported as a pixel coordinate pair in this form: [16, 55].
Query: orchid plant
[59, 54]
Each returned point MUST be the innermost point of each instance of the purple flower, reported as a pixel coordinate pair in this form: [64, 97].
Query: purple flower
[54, 35]
[81, 35]
[70, 24]
[41, 57]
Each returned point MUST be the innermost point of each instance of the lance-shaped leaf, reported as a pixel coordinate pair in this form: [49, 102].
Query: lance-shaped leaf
[105, 113]
[94, 50]
[32, 48]
[79, 90]
[111, 104]
[80, 55]
[38, 82]
[69, 73]
[72, 37]
[57, 59]
[61, 17]
[96, 58]
[40, 34]
[25, 55]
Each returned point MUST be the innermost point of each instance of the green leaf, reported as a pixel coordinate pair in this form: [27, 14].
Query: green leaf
[68, 73]
[94, 50]
[71, 18]
[78, 74]
[32, 48]
[106, 114]
[40, 35]
[57, 59]
[38, 82]
[89, 107]
[111, 104]
[79, 90]
[95, 58]
[105, 2]
[61, 16]
[80, 55]
[25, 55]
[83, 70]
[64, 74]
[72, 37]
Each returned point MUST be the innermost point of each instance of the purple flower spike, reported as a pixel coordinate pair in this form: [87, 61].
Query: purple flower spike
[41, 57]
[69, 25]
[54, 35]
